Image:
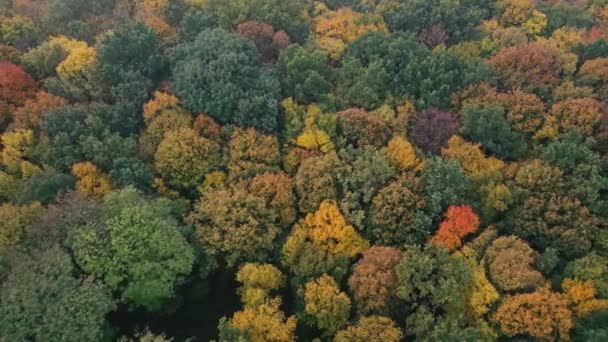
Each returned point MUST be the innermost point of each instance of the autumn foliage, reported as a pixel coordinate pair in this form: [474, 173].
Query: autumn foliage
[460, 221]
[304, 170]
[16, 86]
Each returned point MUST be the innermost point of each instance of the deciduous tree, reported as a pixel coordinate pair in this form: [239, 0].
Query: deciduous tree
[371, 328]
[326, 307]
[510, 263]
[148, 251]
[541, 314]
[374, 280]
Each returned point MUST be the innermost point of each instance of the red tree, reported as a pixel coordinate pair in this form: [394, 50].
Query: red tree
[460, 220]
[16, 85]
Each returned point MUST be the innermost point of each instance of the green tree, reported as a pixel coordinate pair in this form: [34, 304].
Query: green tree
[365, 171]
[430, 281]
[397, 213]
[137, 249]
[490, 127]
[590, 267]
[41, 300]
[133, 47]
[304, 73]
[458, 19]
[219, 74]
[326, 307]
[443, 184]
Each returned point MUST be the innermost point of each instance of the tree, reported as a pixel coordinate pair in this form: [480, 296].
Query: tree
[183, 158]
[328, 229]
[430, 129]
[30, 116]
[365, 172]
[162, 114]
[265, 322]
[590, 267]
[304, 73]
[371, 328]
[45, 186]
[471, 158]
[148, 251]
[360, 128]
[581, 295]
[574, 154]
[592, 73]
[510, 263]
[252, 153]
[430, 281]
[366, 87]
[132, 48]
[91, 181]
[16, 86]
[458, 19]
[459, 222]
[321, 243]
[397, 214]
[315, 128]
[401, 154]
[483, 294]
[219, 74]
[489, 126]
[374, 280]
[42, 300]
[326, 307]
[531, 67]
[525, 111]
[443, 184]
[580, 115]
[335, 29]
[541, 314]
[553, 220]
[18, 31]
[316, 181]
[258, 280]
[239, 222]
[428, 77]
[268, 41]
[284, 15]
[15, 221]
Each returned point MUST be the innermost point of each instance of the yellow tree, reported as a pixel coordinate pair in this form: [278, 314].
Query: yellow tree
[401, 153]
[470, 157]
[18, 147]
[371, 328]
[335, 29]
[327, 228]
[482, 293]
[581, 294]
[326, 306]
[150, 12]
[265, 323]
[312, 137]
[258, 281]
[91, 181]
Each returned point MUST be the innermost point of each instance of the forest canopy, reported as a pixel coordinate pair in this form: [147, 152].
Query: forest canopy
[303, 170]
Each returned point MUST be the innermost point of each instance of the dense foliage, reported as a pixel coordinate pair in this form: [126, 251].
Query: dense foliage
[303, 170]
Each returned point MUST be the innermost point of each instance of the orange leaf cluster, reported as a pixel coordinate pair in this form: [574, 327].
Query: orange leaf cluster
[460, 220]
